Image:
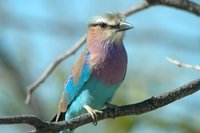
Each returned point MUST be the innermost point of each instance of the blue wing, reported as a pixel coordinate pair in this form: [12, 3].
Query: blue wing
[81, 72]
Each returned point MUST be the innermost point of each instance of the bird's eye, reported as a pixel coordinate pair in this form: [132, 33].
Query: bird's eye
[118, 25]
[103, 25]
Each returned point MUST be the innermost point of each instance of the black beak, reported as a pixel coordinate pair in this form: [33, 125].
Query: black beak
[124, 26]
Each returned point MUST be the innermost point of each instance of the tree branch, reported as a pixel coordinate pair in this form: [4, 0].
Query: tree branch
[180, 64]
[186, 5]
[145, 106]
[24, 119]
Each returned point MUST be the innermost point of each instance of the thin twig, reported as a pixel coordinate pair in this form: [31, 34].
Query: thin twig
[138, 8]
[68, 53]
[53, 65]
[185, 5]
[145, 106]
[180, 64]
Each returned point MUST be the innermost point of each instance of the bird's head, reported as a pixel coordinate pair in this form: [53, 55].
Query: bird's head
[108, 27]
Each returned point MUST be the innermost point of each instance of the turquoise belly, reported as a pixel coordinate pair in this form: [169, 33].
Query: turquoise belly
[95, 94]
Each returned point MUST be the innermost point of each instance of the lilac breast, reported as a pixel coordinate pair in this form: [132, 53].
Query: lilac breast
[110, 64]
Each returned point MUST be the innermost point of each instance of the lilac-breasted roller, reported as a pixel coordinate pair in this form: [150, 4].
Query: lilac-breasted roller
[100, 69]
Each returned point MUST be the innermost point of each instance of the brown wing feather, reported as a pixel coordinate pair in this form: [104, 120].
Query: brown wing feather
[76, 70]
[62, 108]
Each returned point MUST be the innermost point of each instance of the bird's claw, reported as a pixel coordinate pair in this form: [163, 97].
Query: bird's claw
[93, 113]
[115, 108]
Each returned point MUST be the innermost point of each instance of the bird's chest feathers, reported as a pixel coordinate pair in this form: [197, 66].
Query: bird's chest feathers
[109, 65]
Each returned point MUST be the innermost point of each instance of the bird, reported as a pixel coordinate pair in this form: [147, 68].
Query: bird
[99, 71]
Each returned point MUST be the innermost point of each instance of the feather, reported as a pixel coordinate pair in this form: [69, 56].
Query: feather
[80, 74]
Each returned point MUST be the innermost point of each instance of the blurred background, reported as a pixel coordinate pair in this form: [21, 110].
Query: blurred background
[34, 33]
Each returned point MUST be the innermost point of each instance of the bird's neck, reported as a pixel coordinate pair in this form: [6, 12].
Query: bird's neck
[98, 42]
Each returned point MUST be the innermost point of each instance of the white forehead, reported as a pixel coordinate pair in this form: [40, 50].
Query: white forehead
[98, 19]
[109, 18]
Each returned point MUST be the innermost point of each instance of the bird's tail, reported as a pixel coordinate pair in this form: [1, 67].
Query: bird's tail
[57, 118]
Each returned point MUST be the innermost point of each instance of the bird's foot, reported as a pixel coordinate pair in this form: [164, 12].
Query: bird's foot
[93, 113]
[114, 107]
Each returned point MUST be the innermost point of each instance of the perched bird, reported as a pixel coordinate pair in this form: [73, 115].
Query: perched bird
[100, 69]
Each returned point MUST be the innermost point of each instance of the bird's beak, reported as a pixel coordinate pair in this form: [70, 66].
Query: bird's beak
[124, 26]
